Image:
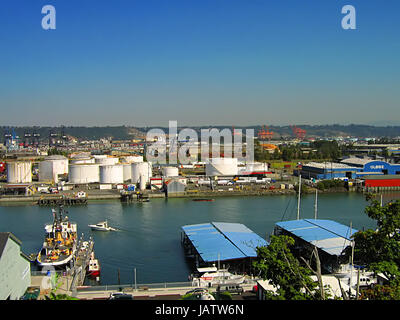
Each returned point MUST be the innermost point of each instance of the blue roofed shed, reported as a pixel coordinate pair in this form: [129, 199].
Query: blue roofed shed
[327, 235]
[222, 241]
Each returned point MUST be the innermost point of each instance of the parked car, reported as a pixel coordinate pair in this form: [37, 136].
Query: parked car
[230, 288]
[197, 291]
[120, 296]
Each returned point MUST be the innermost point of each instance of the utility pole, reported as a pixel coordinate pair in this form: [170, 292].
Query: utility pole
[298, 199]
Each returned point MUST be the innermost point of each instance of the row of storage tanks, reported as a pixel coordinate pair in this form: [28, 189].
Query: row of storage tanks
[97, 169]
[111, 170]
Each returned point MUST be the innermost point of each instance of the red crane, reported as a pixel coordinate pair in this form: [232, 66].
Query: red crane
[264, 133]
[298, 132]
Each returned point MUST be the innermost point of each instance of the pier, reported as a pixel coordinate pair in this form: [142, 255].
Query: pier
[69, 279]
[60, 200]
[133, 196]
[81, 262]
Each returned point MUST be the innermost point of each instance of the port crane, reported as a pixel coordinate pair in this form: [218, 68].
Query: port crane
[298, 132]
[264, 133]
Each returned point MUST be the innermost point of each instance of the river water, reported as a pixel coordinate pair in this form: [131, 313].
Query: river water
[150, 233]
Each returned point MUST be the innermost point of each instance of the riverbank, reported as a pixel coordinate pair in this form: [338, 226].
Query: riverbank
[98, 195]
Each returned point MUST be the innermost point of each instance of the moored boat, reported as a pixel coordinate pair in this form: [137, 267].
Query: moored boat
[212, 276]
[59, 245]
[93, 267]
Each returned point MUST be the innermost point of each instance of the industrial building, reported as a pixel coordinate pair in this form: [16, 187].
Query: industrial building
[232, 243]
[351, 168]
[328, 170]
[15, 268]
[370, 166]
[330, 237]
[376, 183]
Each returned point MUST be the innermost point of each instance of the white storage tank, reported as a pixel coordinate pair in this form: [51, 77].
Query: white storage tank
[143, 181]
[81, 159]
[170, 171]
[51, 167]
[252, 167]
[19, 172]
[222, 167]
[141, 169]
[111, 173]
[127, 171]
[107, 161]
[84, 173]
[132, 159]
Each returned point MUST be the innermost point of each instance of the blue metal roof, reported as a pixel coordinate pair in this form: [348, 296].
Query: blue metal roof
[223, 241]
[327, 235]
[242, 237]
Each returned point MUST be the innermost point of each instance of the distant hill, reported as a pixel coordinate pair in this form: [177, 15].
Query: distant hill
[124, 132]
[323, 131]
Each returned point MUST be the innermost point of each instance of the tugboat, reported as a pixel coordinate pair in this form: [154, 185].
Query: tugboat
[59, 245]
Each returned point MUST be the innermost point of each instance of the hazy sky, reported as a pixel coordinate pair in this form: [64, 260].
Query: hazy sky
[227, 62]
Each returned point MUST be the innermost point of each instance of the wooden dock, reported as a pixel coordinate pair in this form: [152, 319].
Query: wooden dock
[61, 200]
[133, 196]
[81, 262]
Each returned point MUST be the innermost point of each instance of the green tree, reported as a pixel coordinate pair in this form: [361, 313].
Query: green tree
[277, 264]
[379, 249]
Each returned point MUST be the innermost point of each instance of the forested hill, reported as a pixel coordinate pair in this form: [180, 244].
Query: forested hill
[124, 132]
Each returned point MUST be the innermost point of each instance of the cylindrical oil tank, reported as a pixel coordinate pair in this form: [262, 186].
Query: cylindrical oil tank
[143, 181]
[81, 159]
[19, 172]
[51, 167]
[84, 173]
[107, 161]
[111, 173]
[222, 167]
[132, 159]
[253, 167]
[139, 169]
[127, 171]
[170, 171]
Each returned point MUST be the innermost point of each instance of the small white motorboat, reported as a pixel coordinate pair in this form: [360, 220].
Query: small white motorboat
[101, 226]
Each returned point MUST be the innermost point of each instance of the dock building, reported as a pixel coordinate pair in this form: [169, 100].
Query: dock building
[330, 237]
[221, 242]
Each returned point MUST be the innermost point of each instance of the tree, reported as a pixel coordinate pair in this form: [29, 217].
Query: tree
[379, 249]
[277, 264]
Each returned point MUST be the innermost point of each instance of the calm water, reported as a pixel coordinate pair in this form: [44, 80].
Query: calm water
[149, 239]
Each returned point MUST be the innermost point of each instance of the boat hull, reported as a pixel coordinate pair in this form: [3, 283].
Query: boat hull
[58, 263]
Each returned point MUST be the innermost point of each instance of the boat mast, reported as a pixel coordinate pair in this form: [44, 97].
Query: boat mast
[298, 199]
[352, 260]
[316, 204]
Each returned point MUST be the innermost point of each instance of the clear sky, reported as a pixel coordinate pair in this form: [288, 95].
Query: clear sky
[217, 62]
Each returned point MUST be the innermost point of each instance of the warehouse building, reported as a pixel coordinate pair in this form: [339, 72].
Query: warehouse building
[328, 170]
[351, 168]
[370, 166]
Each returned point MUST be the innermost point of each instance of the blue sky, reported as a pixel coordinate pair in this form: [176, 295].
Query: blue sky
[218, 62]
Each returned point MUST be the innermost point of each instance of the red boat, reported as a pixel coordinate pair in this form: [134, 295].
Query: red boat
[93, 267]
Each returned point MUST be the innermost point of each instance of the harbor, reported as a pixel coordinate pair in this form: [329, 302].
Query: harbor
[149, 236]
